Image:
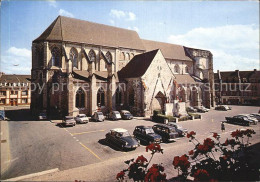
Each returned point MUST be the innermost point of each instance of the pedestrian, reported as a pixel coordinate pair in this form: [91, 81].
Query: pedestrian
[222, 127]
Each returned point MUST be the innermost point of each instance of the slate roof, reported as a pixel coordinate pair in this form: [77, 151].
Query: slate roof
[233, 76]
[184, 78]
[138, 65]
[75, 30]
[15, 78]
[169, 51]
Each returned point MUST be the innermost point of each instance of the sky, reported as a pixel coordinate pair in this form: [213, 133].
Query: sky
[229, 29]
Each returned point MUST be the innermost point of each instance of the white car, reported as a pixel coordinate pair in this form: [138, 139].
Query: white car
[81, 118]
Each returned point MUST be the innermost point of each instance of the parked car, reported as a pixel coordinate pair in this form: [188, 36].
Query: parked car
[146, 134]
[255, 115]
[168, 133]
[122, 138]
[181, 131]
[228, 107]
[200, 109]
[68, 121]
[42, 116]
[222, 108]
[241, 120]
[126, 114]
[81, 118]
[114, 115]
[191, 109]
[254, 120]
[98, 116]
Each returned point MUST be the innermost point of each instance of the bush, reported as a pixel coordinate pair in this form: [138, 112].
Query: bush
[156, 112]
[196, 116]
[160, 118]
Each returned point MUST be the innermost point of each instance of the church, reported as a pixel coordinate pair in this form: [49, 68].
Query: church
[80, 66]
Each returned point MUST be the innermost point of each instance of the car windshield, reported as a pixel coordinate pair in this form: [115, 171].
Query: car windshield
[42, 114]
[149, 131]
[116, 112]
[99, 113]
[82, 116]
[125, 134]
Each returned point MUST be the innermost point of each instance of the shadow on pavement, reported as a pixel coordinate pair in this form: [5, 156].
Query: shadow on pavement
[112, 146]
[19, 115]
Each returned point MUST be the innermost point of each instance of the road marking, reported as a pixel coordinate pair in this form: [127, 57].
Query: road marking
[90, 150]
[32, 175]
[86, 132]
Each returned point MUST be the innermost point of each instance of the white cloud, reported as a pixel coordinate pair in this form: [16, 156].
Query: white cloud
[133, 28]
[52, 3]
[65, 13]
[21, 52]
[233, 46]
[119, 14]
[16, 56]
[132, 16]
[112, 22]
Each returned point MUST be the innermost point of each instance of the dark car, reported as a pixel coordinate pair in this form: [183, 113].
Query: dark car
[191, 109]
[122, 138]
[181, 131]
[201, 109]
[126, 114]
[239, 119]
[146, 134]
[98, 116]
[221, 108]
[168, 133]
[68, 121]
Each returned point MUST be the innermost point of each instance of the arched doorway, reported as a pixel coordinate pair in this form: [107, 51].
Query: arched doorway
[159, 101]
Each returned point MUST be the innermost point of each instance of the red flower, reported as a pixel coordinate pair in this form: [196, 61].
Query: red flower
[154, 173]
[191, 152]
[216, 135]
[182, 162]
[141, 159]
[201, 175]
[191, 134]
[236, 134]
[154, 147]
[120, 175]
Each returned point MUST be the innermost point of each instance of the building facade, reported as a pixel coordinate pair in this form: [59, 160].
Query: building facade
[80, 66]
[237, 87]
[15, 90]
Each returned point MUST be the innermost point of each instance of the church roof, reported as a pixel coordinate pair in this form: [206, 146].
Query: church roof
[181, 79]
[81, 31]
[138, 65]
[169, 51]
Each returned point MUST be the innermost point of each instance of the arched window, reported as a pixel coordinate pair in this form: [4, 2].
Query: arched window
[74, 57]
[118, 96]
[127, 56]
[186, 69]
[92, 57]
[176, 68]
[109, 56]
[131, 98]
[101, 97]
[132, 55]
[122, 56]
[40, 53]
[80, 98]
[55, 56]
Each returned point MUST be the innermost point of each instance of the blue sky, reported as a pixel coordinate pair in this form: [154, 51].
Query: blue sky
[230, 30]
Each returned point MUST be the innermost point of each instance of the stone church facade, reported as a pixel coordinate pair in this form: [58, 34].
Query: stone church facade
[80, 66]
